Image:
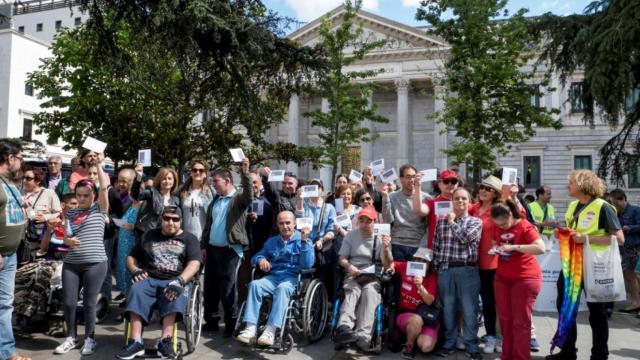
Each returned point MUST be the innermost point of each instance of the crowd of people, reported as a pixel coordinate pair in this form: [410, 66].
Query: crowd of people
[154, 235]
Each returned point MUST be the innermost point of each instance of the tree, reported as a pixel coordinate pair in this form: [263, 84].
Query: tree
[604, 43]
[486, 70]
[139, 73]
[347, 97]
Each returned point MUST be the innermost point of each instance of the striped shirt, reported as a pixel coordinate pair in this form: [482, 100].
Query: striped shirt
[88, 226]
[457, 243]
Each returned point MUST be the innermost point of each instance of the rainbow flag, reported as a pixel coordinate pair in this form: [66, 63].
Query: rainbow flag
[571, 260]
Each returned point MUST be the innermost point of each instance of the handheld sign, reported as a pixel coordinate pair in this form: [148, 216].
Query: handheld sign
[443, 207]
[377, 166]
[257, 206]
[381, 229]
[416, 268]
[429, 175]
[509, 176]
[310, 191]
[389, 176]
[94, 145]
[119, 222]
[344, 221]
[144, 157]
[355, 176]
[368, 270]
[304, 222]
[276, 175]
[237, 155]
[339, 205]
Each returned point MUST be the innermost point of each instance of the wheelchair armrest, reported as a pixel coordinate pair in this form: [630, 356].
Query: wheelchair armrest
[307, 271]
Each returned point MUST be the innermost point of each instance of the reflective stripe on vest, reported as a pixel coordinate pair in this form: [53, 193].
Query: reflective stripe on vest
[538, 215]
[588, 220]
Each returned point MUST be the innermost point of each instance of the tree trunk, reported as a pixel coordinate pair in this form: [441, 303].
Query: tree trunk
[477, 173]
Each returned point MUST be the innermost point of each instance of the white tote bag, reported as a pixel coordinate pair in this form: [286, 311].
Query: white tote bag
[603, 280]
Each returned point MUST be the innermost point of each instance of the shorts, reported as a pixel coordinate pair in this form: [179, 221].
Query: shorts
[147, 295]
[630, 256]
[402, 321]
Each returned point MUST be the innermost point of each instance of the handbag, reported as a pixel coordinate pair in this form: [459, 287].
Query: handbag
[35, 229]
[430, 314]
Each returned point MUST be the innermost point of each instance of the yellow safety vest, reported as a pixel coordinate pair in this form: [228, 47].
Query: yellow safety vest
[588, 220]
[538, 215]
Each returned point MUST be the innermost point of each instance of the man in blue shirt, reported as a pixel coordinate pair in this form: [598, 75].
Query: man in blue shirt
[629, 216]
[282, 258]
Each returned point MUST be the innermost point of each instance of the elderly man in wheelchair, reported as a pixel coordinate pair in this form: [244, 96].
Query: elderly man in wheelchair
[162, 265]
[283, 257]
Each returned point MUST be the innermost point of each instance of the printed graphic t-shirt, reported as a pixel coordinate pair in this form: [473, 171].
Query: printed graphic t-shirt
[165, 257]
[518, 265]
[12, 217]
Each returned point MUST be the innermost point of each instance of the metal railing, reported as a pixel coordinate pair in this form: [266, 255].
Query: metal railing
[26, 7]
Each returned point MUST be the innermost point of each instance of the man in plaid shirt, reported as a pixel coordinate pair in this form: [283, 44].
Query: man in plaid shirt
[456, 242]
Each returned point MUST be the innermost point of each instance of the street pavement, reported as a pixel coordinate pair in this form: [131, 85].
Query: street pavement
[624, 342]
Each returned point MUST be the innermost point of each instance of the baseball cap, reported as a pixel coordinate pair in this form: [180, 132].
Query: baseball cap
[172, 209]
[368, 212]
[447, 174]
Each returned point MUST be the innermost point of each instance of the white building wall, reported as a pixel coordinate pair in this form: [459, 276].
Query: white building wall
[48, 19]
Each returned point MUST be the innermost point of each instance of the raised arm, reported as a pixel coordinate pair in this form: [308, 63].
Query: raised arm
[103, 195]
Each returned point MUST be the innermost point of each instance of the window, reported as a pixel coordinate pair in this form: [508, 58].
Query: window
[535, 96]
[634, 172]
[77, 21]
[28, 89]
[58, 24]
[575, 94]
[27, 129]
[531, 166]
[632, 100]
[21, 29]
[39, 27]
[582, 162]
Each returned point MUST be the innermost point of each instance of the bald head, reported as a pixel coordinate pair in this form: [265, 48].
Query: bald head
[286, 224]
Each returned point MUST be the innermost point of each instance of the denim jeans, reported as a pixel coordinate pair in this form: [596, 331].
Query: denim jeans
[7, 284]
[403, 252]
[280, 287]
[460, 286]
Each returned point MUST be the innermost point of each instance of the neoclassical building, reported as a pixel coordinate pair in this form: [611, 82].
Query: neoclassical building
[411, 63]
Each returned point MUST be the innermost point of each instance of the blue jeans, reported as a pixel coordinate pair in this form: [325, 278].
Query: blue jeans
[460, 286]
[7, 284]
[403, 252]
[281, 287]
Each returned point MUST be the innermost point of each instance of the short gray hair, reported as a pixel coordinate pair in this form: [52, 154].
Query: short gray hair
[130, 172]
[54, 157]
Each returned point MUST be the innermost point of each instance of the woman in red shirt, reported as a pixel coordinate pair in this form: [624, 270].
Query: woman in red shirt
[415, 290]
[518, 277]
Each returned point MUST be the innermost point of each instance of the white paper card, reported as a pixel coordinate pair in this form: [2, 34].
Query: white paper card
[368, 270]
[339, 205]
[389, 176]
[237, 155]
[377, 166]
[416, 268]
[443, 207]
[343, 220]
[355, 176]
[304, 222]
[119, 222]
[309, 191]
[144, 157]
[257, 206]
[429, 175]
[509, 176]
[276, 175]
[382, 229]
[94, 145]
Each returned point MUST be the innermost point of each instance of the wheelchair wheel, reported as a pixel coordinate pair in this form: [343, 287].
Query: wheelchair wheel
[193, 318]
[315, 311]
[102, 308]
[287, 343]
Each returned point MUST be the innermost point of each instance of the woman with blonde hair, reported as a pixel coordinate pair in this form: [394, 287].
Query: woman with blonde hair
[195, 197]
[155, 198]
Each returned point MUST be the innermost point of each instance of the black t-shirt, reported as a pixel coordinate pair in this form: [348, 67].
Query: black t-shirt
[165, 257]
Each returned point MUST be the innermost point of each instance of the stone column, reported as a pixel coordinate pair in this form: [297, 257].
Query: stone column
[325, 171]
[367, 148]
[439, 138]
[402, 122]
[294, 128]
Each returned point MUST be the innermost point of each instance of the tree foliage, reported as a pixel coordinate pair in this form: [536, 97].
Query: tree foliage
[138, 73]
[604, 43]
[487, 70]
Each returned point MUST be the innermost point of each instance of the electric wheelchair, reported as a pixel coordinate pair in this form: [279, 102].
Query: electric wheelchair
[306, 314]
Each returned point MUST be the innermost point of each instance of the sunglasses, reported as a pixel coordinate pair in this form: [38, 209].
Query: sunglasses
[449, 181]
[485, 188]
[201, 171]
[28, 178]
[174, 219]
[368, 198]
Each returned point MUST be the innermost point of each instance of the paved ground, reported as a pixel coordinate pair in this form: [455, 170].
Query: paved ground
[624, 343]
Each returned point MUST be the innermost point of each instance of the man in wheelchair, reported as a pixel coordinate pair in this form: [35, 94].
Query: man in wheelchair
[162, 264]
[282, 258]
[360, 255]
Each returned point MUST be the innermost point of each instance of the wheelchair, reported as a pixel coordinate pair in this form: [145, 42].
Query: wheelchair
[191, 322]
[385, 318]
[306, 314]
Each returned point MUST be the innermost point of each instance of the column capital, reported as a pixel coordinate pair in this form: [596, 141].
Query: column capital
[402, 84]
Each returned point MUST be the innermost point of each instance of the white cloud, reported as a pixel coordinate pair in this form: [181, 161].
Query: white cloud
[307, 10]
[411, 3]
[371, 5]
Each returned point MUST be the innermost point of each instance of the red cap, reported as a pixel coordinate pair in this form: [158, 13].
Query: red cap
[368, 212]
[447, 174]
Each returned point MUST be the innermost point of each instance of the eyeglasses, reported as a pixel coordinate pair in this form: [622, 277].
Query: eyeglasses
[28, 178]
[174, 219]
[449, 181]
[201, 171]
[54, 163]
[19, 157]
[409, 177]
[485, 188]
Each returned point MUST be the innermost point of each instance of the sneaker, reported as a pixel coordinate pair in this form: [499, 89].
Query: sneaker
[133, 349]
[475, 356]
[407, 352]
[460, 343]
[445, 352]
[499, 344]
[344, 335]
[561, 356]
[165, 349]
[267, 338]
[246, 335]
[68, 344]
[490, 345]
[535, 347]
[89, 347]
[363, 344]
[118, 299]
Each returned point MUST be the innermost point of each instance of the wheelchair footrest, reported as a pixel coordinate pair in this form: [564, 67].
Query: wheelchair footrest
[152, 353]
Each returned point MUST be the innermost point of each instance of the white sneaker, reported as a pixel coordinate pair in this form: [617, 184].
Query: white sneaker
[266, 339]
[246, 335]
[89, 347]
[460, 343]
[490, 345]
[68, 344]
[499, 344]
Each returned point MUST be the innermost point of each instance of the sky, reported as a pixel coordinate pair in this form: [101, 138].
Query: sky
[404, 10]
